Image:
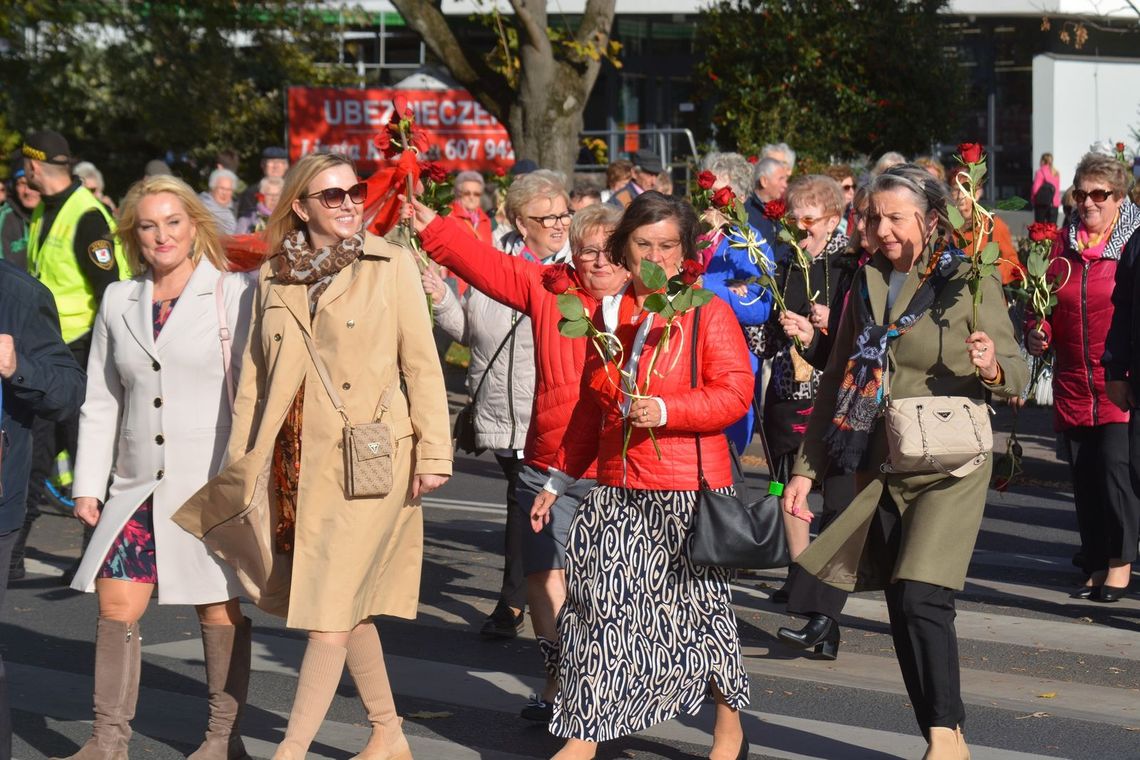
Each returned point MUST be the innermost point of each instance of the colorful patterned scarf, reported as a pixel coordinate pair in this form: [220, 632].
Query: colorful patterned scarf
[298, 262]
[860, 396]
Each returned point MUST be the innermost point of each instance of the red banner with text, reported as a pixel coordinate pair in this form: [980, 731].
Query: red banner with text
[461, 133]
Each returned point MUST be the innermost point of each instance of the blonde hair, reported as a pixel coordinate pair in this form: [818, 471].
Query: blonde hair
[598, 215]
[207, 241]
[284, 219]
[817, 190]
[541, 183]
[932, 165]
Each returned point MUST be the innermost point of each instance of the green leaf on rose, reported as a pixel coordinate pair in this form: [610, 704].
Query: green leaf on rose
[574, 328]
[652, 275]
[977, 174]
[1037, 266]
[990, 254]
[683, 301]
[701, 296]
[1013, 203]
[656, 302]
[571, 306]
[956, 217]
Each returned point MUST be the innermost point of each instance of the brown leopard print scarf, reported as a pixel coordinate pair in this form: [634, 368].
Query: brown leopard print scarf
[299, 263]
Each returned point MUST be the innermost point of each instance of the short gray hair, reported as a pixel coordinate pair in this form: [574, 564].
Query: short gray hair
[268, 182]
[764, 169]
[591, 218]
[469, 176]
[886, 161]
[784, 148]
[219, 174]
[929, 192]
[733, 168]
[87, 170]
[541, 183]
[1105, 168]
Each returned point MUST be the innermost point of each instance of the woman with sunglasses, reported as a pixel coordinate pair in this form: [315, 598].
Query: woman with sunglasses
[338, 311]
[1093, 424]
[815, 208]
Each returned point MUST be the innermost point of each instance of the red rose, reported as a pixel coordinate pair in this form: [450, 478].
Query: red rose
[705, 180]
[500, 171]
[754, 159]
[1120, 147]
[419, 141]
[724, 197]
[1042, 231]
[556, 279]
[971, 152]
[775, 210]
[436, 173]
[382, 140]
[691, 271]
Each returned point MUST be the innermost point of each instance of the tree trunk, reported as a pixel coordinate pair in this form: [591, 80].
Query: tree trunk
[546, 119]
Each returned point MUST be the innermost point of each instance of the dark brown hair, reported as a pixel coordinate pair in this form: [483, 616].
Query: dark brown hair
[649, 208]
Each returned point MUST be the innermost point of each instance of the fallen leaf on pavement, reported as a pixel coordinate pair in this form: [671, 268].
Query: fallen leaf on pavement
[1047, 695]
[1033, 715]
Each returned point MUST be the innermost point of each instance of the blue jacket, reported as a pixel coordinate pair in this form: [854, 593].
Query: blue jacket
[754, 207]
[729, 264]
[48, 382]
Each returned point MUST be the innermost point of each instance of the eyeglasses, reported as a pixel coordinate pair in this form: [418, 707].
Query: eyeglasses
[846, 186]
[550, 220]
[333, 197]
[807, 222]
[470, 194]
[590, 255]
[1098, 195]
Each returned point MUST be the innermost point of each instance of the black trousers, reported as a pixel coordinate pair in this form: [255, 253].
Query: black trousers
[922, 627]
[1107, 506]
[50, 437]
[808, 595]
[513, 591]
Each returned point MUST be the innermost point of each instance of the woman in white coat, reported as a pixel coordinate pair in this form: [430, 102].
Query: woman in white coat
[154, 426]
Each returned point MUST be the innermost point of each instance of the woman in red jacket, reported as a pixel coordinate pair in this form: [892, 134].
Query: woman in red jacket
[518, 283]
[647, 634]
[1094, 431]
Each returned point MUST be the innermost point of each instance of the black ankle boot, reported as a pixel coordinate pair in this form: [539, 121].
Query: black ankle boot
[820, 633]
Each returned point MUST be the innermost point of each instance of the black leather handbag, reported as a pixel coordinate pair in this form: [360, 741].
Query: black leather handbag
[731, 533]
[463, 431]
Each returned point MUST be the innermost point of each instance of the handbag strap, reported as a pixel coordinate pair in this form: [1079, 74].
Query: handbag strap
[775, 487]
[323, 372]
[224, 336]
[494, 356]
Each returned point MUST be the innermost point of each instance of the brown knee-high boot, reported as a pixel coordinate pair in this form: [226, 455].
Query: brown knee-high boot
[366, 664]
[118, 658]
[320, 675]
[226, 649]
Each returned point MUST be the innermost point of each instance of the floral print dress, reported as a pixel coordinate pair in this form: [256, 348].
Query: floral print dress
[131, 557]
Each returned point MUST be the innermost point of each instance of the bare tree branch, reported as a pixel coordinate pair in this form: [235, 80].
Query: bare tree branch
[426, 19]
[534, 28]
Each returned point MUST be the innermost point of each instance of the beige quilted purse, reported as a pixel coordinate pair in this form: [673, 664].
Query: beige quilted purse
[368, 448]
[947, 434]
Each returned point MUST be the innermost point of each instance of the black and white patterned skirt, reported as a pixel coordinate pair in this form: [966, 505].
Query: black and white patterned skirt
[643, 630]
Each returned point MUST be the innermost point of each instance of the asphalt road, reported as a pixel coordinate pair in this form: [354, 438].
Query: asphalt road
[1043, 675]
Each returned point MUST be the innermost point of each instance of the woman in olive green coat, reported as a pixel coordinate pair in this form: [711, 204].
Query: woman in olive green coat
[911, 535]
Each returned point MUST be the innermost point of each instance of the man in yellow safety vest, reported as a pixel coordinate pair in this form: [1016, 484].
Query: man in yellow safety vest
[73, 251]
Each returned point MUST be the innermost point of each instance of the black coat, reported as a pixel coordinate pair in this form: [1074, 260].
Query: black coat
[47, 382]
[1121, 358]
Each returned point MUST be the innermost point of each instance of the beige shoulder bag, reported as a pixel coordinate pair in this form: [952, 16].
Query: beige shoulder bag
[368, 448]
[927, 434]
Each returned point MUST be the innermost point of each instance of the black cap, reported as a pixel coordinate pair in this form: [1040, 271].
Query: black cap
[274, 151]
[47, 146]
[526, 166]
[647, 161]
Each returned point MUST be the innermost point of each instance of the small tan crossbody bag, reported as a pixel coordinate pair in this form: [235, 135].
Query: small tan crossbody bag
[368, 448]
[926, 434]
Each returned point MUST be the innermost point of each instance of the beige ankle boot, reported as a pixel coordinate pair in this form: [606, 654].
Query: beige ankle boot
[366, 664]
[943, 744]
[963, 750]
[118, 656]
[226, 649]
[320, 675]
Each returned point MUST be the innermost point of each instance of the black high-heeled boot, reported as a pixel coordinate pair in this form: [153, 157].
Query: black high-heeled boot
[821, 634]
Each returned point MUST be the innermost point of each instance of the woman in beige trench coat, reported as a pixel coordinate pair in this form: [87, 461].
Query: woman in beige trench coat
[911, 535]
[278, 512]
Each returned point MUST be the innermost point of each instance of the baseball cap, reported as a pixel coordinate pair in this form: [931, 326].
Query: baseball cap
[647, 161]
[48, 146]
[275, 152]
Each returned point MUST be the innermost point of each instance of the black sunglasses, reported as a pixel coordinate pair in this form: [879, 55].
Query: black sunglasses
[333, 197]
[1098, 195]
